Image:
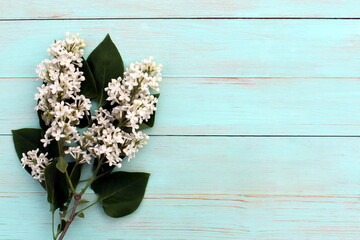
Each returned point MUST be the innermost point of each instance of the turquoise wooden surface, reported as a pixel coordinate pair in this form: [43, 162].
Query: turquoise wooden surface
[201, 47]
[230, 155]
[227, 106]
[64, 9]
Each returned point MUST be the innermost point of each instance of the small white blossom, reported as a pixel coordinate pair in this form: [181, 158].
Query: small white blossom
[36, 162]
[114, 133]
[135, 103]
[46, 141]
[59, 99]
[79, 155]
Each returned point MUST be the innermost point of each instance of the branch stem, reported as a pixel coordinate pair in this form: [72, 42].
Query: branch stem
[52, 223]
[72, 216]
[93, 176]
[68, 179]
[88, 206]
[77, 198]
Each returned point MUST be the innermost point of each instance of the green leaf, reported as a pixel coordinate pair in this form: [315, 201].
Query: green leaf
[121, 192]
[52, 149]
[27, 139]
[85, 121]
[104, 169]
[61, 226]
[81, 215]
[61, 164]
[56, 186]
[149, 123]
[41, 121]
[82, 202]
[74, 171]
[88, 86]
[105, 63]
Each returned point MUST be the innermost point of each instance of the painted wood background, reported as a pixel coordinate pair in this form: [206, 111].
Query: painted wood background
[258, 125]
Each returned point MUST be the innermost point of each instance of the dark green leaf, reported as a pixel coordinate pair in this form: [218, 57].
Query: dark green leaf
[108, 106]
[52, 149]
[61, 226]
[56, 186]
[104, 169]
[105, 63]
[121, 192]
[149, 123]
[27, 139]
[41, 121]
[61, 164]
[81, 215]
[85, 121]
[82, 202]
[88, 86]
[74, 171]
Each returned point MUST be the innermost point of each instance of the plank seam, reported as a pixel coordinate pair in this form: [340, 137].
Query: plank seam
[239, 136]
[212, 77]
[185, 196]
[180, 18]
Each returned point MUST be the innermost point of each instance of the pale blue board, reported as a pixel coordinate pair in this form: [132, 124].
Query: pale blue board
[226, 106]
[83, 9]
[230, 156]
[200, 47]
[211, 188]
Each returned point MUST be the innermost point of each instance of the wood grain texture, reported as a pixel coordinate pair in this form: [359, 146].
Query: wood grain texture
[200, 48]
[226, 106]
[63, 9]
[279, 69]
[229, 166]
[259, 217]
[206, 192]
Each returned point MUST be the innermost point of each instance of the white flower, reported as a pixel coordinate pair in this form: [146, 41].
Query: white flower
[45, 141]
[117, 92]
[57, 134]
[132, 93]
[78, 154]
[114, 133]
[59, 99]
[133, 104]
[36, 162]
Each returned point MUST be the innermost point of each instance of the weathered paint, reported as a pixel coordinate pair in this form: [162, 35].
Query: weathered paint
[200, 48]
[64, 9]
[212, 188]
[226, 106]
[228, 77]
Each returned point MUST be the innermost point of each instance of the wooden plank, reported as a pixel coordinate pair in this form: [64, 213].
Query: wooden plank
[259, 217]
[60, 9]
[227, 48]
[228, 167]
[155, 219]
[212, 188]
[226, 106]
